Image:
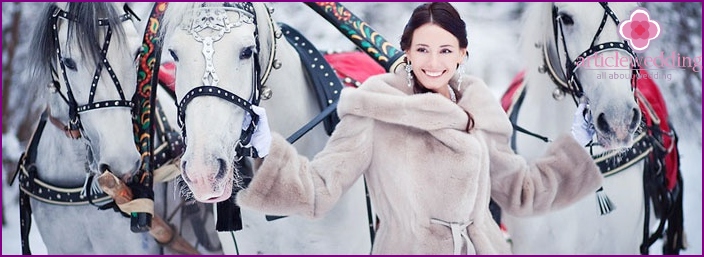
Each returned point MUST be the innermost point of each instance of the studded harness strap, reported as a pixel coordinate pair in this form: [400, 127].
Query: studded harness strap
[646, 147]
[566, 78]
[218, 21]
[74, 127]
[325, 81]
[30, 184]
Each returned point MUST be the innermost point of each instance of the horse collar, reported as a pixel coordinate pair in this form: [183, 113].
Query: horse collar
[32, 185]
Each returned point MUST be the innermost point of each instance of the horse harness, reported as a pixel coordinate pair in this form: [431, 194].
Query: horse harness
[217, 20]
[326, 84]
[566, 78]
[610, 162]
[649, 146]
[31, 185]
[74, 127]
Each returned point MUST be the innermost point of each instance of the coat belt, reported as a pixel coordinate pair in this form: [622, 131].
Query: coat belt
[459, 232]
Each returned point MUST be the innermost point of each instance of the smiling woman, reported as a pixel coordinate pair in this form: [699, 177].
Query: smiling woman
[418, 149]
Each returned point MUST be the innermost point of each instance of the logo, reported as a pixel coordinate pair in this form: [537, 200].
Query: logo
[639, 30]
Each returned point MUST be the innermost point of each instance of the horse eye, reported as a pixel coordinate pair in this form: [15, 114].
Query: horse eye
[137, 55]
[246, 53]
[566, 19]
[69, 63]
[173, 55]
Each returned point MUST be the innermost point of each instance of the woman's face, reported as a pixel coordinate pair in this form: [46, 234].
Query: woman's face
[434, 55]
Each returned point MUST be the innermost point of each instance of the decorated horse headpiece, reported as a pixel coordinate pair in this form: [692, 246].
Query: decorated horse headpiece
[209, 25]
[566, 78]
[74, 127]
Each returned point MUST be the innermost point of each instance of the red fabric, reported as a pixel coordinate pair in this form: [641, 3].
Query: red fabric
[650, 90]
[509, 95]
[167, 75]
[356, 65]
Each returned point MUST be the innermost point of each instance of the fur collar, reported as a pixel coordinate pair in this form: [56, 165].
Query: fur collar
[387, 98]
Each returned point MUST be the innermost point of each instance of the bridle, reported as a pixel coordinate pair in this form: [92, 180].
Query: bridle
[566, 78]
[74, 127]
[218, 21]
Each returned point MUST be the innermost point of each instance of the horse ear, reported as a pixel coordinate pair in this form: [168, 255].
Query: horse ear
[267, 39]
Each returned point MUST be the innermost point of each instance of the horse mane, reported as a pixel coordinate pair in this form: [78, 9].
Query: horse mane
[536, 27]
[84, 29]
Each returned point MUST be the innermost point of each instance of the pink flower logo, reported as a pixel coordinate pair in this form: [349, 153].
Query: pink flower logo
[639, 30]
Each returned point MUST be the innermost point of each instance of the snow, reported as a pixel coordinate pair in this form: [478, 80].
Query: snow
[493, 32]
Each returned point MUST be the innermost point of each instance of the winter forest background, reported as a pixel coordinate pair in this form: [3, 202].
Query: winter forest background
[493, 30]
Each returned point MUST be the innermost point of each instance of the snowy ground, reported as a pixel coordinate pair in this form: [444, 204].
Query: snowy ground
[493, 38]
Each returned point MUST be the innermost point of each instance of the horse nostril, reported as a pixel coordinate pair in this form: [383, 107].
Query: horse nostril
[184, 174]
[602, 124]
[221, 169]
[636, 120]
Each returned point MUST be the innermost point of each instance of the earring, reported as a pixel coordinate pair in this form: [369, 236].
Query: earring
[409, 76]
[460, 69]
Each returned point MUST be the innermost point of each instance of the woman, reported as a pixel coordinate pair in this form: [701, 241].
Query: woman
[434, 148]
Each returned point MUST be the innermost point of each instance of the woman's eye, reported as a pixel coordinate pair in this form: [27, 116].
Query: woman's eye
[69, 63]
[422, 50]
[446, 51]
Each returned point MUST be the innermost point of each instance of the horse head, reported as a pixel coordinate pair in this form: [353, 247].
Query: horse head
[82, 48]
[218, 49]
[585, 57]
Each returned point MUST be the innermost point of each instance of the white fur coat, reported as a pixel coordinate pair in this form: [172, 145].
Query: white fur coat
[430, 180]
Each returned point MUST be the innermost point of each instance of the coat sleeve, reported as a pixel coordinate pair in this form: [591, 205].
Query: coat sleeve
[566, 172]
[287, 183]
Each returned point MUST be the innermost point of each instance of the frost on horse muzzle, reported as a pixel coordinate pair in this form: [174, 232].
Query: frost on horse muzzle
[211, 172]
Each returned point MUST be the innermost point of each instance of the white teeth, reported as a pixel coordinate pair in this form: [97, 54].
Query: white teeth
[433, 74]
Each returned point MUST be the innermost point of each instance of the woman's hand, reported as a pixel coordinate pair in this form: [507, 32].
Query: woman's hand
[582, 127]
[261, 138]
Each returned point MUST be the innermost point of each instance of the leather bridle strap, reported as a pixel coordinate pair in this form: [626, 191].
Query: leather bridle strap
[74, 125]
[243, 147]
[210, 78]
[571, 83]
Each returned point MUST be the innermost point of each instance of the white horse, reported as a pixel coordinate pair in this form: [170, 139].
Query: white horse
[215, 45]
[87, 128]
[69, 39]
[579, 28]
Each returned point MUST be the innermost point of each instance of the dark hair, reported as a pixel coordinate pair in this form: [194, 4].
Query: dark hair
[444, 15]
[439, 13]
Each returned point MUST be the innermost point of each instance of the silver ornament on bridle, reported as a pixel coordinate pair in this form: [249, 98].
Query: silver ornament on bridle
[219, 23]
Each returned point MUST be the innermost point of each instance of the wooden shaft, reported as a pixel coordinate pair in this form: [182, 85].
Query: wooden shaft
[160, 230]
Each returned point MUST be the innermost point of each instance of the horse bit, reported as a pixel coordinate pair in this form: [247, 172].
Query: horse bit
[74, 128]
[219, 23]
